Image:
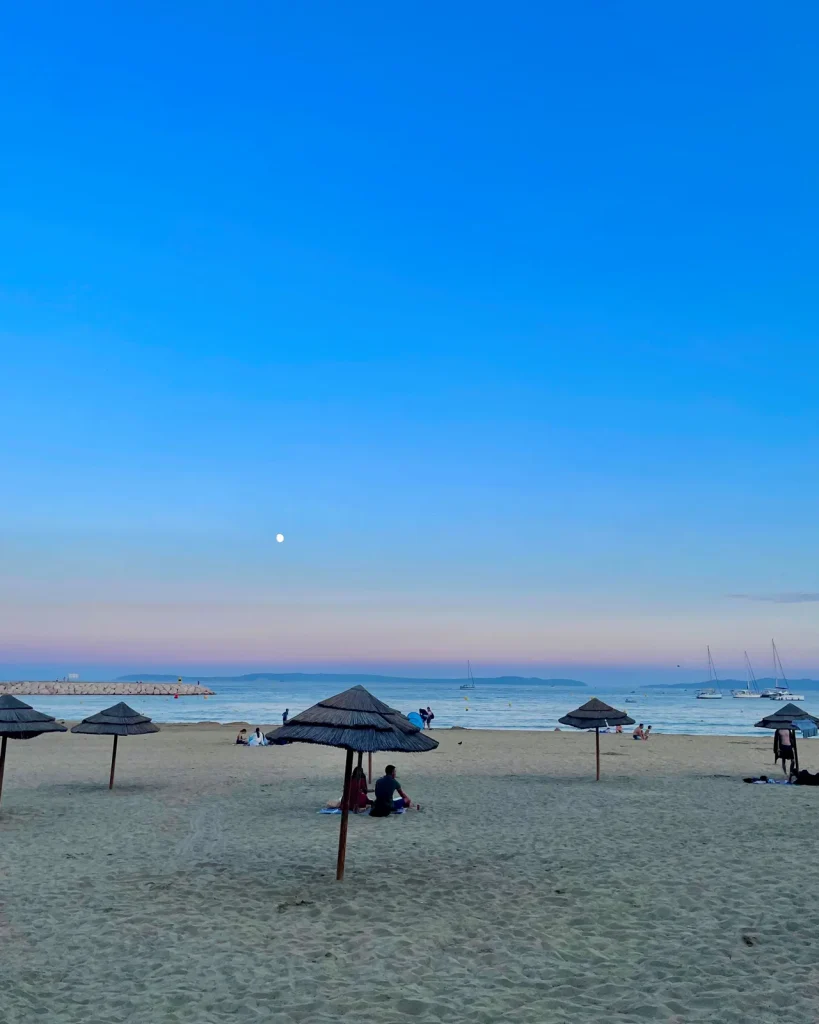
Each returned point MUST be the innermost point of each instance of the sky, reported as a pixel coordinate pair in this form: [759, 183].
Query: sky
[505, 316]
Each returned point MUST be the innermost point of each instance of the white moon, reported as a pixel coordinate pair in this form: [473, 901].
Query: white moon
[279, 537]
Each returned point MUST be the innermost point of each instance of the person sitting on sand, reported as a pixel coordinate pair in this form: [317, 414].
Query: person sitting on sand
[359, 801]
[618, 730]
[386, 801]
[241, 739]
[638, 733]
[257, 738]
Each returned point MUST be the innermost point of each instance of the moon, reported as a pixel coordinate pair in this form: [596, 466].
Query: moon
[279, 537]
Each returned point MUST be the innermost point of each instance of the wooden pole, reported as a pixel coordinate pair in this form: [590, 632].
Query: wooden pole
[370, 768]
[113, 763]
[2, 763]
[345, 812]
[357, 801]
[795, 762]
[597, 751]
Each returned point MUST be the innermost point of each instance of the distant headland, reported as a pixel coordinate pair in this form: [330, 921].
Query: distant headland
[346, 679]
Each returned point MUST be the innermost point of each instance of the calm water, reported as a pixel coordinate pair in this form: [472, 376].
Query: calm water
[502, 706]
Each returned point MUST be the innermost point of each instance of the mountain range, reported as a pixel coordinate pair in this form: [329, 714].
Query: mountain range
[321, 677]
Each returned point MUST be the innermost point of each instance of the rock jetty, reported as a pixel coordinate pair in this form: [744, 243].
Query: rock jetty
[78, 689]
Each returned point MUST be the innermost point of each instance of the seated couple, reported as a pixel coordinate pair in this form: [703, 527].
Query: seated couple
[389, 797]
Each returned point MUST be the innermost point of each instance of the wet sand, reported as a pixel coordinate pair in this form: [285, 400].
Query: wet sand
[202, 888]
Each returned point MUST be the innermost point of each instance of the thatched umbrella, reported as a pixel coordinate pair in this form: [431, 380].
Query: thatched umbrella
[594, 714]
[786, 717]
[19, 721]
[355, 721]
[119, 720]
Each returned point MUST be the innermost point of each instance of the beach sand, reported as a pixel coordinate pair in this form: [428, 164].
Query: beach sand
[202, 888]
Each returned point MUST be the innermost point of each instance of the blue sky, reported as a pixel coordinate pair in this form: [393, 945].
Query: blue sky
[505, 317]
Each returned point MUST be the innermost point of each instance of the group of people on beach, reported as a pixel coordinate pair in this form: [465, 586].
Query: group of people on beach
[388, 796]
[426, 716]
[642, 732]
[256, 739]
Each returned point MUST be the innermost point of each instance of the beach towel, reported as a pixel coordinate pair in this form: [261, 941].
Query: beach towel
[765, 781]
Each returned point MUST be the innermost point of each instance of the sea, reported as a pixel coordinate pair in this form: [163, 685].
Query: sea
[523, 704]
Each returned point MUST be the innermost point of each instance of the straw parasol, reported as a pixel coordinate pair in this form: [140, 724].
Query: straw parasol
[594, 714]
[119, 720]
[355, 721]
[19, 721]
[786, 717]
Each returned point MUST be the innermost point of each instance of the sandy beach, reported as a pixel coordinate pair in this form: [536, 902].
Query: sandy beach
[201, 889]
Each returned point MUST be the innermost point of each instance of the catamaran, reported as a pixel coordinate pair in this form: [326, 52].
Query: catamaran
[710, 692]
[781, 690]
[470, 683]
[752, 690]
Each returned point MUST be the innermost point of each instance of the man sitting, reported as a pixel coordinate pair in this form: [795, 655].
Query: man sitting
[386, 801]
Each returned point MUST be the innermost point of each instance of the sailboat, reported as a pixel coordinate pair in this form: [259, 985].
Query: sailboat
[781, 690]
[752, 690]
[710, 692]
[470, 683]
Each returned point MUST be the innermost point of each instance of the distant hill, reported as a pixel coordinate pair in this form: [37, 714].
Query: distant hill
[332, 678]
[736, 684]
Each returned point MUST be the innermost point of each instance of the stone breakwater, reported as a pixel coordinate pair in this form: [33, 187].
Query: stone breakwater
[116, 689]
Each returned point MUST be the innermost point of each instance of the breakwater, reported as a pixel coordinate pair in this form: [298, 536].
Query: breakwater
[78, 689]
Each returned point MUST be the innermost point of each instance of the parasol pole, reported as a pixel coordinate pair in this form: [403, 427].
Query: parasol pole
[2, 763]
[113, 763]
[597, 750]
[795, 762]
[370, 767]
[360, 756]
[345, 810]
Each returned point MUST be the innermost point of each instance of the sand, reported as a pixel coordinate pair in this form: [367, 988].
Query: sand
[202, 888]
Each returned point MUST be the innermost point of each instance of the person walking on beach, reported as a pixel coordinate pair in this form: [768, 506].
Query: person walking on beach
[430, 717]
[285, 716]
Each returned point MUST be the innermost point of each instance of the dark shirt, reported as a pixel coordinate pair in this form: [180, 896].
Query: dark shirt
[385, 788]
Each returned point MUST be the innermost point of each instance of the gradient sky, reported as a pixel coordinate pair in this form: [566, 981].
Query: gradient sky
[504, 315]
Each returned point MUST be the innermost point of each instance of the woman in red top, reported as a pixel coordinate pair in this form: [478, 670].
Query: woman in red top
[359, 801]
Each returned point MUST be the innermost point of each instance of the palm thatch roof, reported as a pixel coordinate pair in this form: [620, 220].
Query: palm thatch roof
[119, 720]
[784, 716]
[594, 714]
[19, 721]
[355, 720]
